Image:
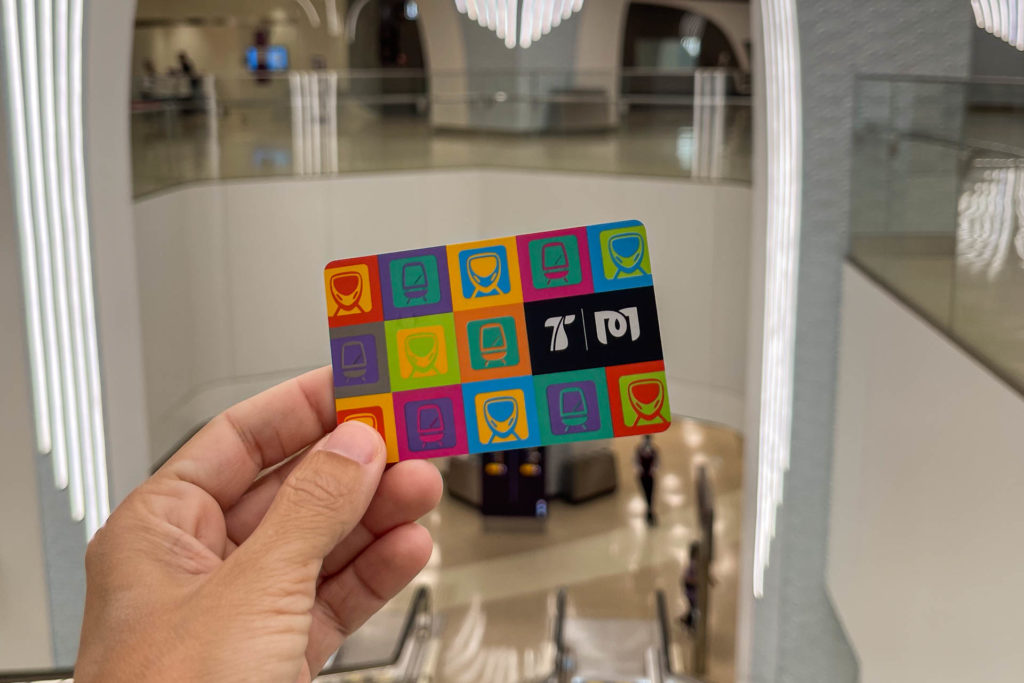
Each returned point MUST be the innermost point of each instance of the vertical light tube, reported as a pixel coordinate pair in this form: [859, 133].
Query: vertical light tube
[58, 243]
[315, 120]
[94, 405]
[332, 121]
[59, 453]
[212, 125]
[512, 26]
[61, 70]
[26, 236]
[526, 24]
[298, 147]
[784, 162]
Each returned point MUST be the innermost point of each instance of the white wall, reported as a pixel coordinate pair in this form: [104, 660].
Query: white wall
[24, 608]
[926, 562]
[247, 309]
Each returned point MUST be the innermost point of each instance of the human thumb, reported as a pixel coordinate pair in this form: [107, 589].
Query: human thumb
[323, 498]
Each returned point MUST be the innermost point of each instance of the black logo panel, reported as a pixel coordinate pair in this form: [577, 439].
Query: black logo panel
[593, 330]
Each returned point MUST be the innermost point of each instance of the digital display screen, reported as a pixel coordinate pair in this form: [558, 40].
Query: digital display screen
[272, 58]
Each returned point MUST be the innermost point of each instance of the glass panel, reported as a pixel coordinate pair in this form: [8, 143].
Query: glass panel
[643, 121]
[936, 214]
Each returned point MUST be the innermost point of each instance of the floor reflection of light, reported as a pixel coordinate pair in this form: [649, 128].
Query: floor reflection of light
[672, 499]
[693, 434]
[671, 482]
[636, 506]
[988, 216]
[699, 460]
[684, 147]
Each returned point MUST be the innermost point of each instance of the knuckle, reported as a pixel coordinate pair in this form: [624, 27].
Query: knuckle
[320, 484]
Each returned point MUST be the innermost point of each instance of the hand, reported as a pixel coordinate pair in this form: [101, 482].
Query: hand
[210, 572]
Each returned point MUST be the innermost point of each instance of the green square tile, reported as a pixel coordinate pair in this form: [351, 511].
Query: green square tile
[422, 352]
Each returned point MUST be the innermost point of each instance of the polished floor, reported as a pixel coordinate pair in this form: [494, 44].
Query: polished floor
[169, 148]
[494, 590]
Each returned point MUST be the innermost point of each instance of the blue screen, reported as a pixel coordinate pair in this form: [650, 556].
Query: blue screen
[275, 57]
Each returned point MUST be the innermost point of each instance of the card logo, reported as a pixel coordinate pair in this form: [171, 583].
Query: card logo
[573, 406]
[485, 272]
[617, 324]
[502, 417]
[501, 414]
[593, 330]
[359, 359]
[626, 252]
[493, 343]
[639, 398]
[356, 360]
[559, 337]
[352, 294]
[644, 400]
[422, 352]
[414, 281]
[620, 256]
[555, 262]
[349, 290]
[430, 424]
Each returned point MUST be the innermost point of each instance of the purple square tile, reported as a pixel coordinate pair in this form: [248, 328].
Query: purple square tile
[574, 408]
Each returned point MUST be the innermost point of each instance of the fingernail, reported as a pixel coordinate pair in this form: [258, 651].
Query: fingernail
[353, 440]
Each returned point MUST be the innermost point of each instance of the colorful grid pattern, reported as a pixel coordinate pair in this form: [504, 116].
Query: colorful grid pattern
[504, 343]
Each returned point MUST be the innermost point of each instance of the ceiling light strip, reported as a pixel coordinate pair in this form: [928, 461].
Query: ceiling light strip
[26, 237]
[1002, 18]
[525, 27]
[784, 169]
[93, 408]
[71, 227]
[58, 243]
[41, 232]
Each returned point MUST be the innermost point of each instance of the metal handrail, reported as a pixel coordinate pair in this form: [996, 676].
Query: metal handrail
[419, 606]
[664, 647]
[563, 663]
[417, 618]
[37, 676]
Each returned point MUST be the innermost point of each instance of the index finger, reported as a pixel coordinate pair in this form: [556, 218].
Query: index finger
[226, 455]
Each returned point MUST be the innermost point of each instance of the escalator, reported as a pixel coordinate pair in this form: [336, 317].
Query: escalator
[574, 648]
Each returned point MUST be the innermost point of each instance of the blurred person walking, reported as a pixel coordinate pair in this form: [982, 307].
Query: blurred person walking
[646, 466]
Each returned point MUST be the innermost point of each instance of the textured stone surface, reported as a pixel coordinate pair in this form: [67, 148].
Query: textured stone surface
[797, 636]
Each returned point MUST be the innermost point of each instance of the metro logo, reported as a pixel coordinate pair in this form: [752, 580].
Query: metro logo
[593, 330]
[617, 324]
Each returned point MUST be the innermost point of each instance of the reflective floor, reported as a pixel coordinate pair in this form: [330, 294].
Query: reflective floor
[495, 591]
[169, 148]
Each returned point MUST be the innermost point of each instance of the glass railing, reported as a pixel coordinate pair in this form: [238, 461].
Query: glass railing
[937, 212]
[675, 123]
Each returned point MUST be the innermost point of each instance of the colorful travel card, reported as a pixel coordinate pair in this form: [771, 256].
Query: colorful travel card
[505, 343]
